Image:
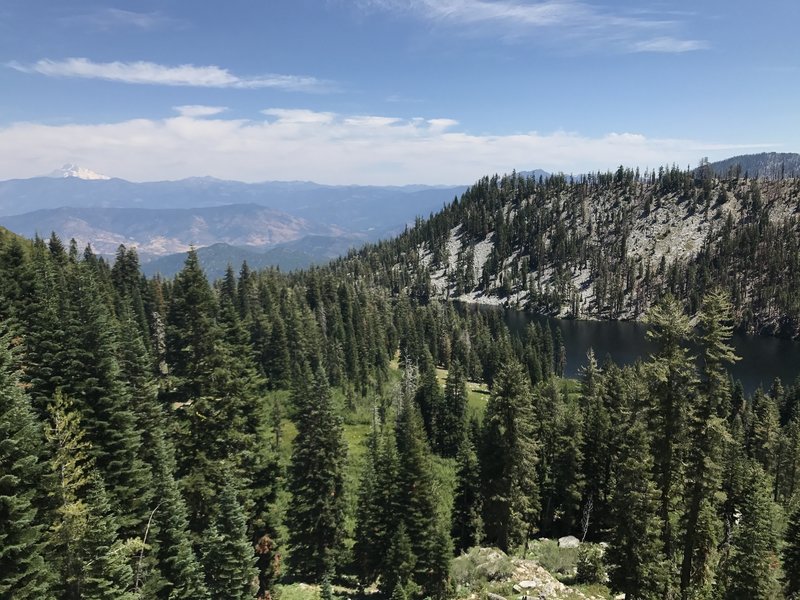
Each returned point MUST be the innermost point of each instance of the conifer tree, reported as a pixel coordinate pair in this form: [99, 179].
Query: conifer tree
[192, 332]
[105, 557]
[707, 436]
[508, 461]
[23, 572]
[178, 565]
[672, 380]
[596, 450]
[636, 561]
[398, 593]
[560, 432]
[378, 513]
[429, 399]
[437, 582]
[400, 562]
[71, 465]
[316, 481]
[47, 348]
[791, 557]
[94, 381]
[364, 548]
[751, 572]
[764, 431]
[467, 529]
[214, 384]
[228, 557]
[452, 421]
[416, 496]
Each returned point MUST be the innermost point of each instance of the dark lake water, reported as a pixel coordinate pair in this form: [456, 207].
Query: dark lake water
[763, 358]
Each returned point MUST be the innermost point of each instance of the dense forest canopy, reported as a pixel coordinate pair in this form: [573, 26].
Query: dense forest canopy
[340, 426]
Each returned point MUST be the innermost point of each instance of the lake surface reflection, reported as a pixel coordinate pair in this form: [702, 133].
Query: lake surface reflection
[763, 358]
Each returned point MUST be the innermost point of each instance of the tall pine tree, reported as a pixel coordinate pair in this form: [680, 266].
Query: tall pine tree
[228, 556]
[316, 482]
[508, 461]
[23, 573]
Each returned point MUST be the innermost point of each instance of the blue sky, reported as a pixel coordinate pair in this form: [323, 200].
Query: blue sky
[391, 91]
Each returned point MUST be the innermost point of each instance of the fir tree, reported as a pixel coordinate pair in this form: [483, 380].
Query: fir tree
[316, 481]
[94, 381]
[596, 450]
[671, 377]
[635, 558]
[71, 465]
[400, 562]
[398, 593]
[430, 400]
[228, 557]
[752, 569]
[508, 461]
[467, 529]
[378, 513]
[23, 573]
[105, 557]
[178, 565]
[452, 422]
[707, 436]
[791, 556]
[416, 495]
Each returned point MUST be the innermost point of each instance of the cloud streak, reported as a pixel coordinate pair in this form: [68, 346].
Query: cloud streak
[327, 147]
[198, 110]
[108, 19]
[149, 73]
[555, 21]
[669, 45]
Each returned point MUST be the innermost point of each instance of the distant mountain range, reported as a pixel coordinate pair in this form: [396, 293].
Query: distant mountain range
[356, 208]
[155, 232]
[238, 219]
[298, 254]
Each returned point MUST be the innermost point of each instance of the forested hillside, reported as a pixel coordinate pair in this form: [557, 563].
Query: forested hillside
[607, 245]
[175, 438]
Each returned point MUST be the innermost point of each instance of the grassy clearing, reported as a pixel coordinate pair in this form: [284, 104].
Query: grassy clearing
[477, 394]
[571, 386]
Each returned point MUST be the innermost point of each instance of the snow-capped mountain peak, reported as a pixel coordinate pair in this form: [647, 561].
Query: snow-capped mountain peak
[71, 170]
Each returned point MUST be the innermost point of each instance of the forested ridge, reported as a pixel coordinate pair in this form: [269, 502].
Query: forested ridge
[182, 439]
[607, 245]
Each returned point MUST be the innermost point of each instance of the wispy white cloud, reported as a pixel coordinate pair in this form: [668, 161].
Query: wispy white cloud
[327, 147]
[199, 110]
[110, 18]
[669, 44]
[149, 73]
[553, 21]
[400, 99]
[298, 115]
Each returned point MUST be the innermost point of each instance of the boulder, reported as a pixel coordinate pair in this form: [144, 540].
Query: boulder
[491, 596]
[568, 541]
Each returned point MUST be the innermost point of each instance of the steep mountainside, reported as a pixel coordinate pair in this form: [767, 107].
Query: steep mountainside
[767, 165]
[607, 246]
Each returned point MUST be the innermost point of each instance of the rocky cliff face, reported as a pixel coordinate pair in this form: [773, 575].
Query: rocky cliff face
[609, 246]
